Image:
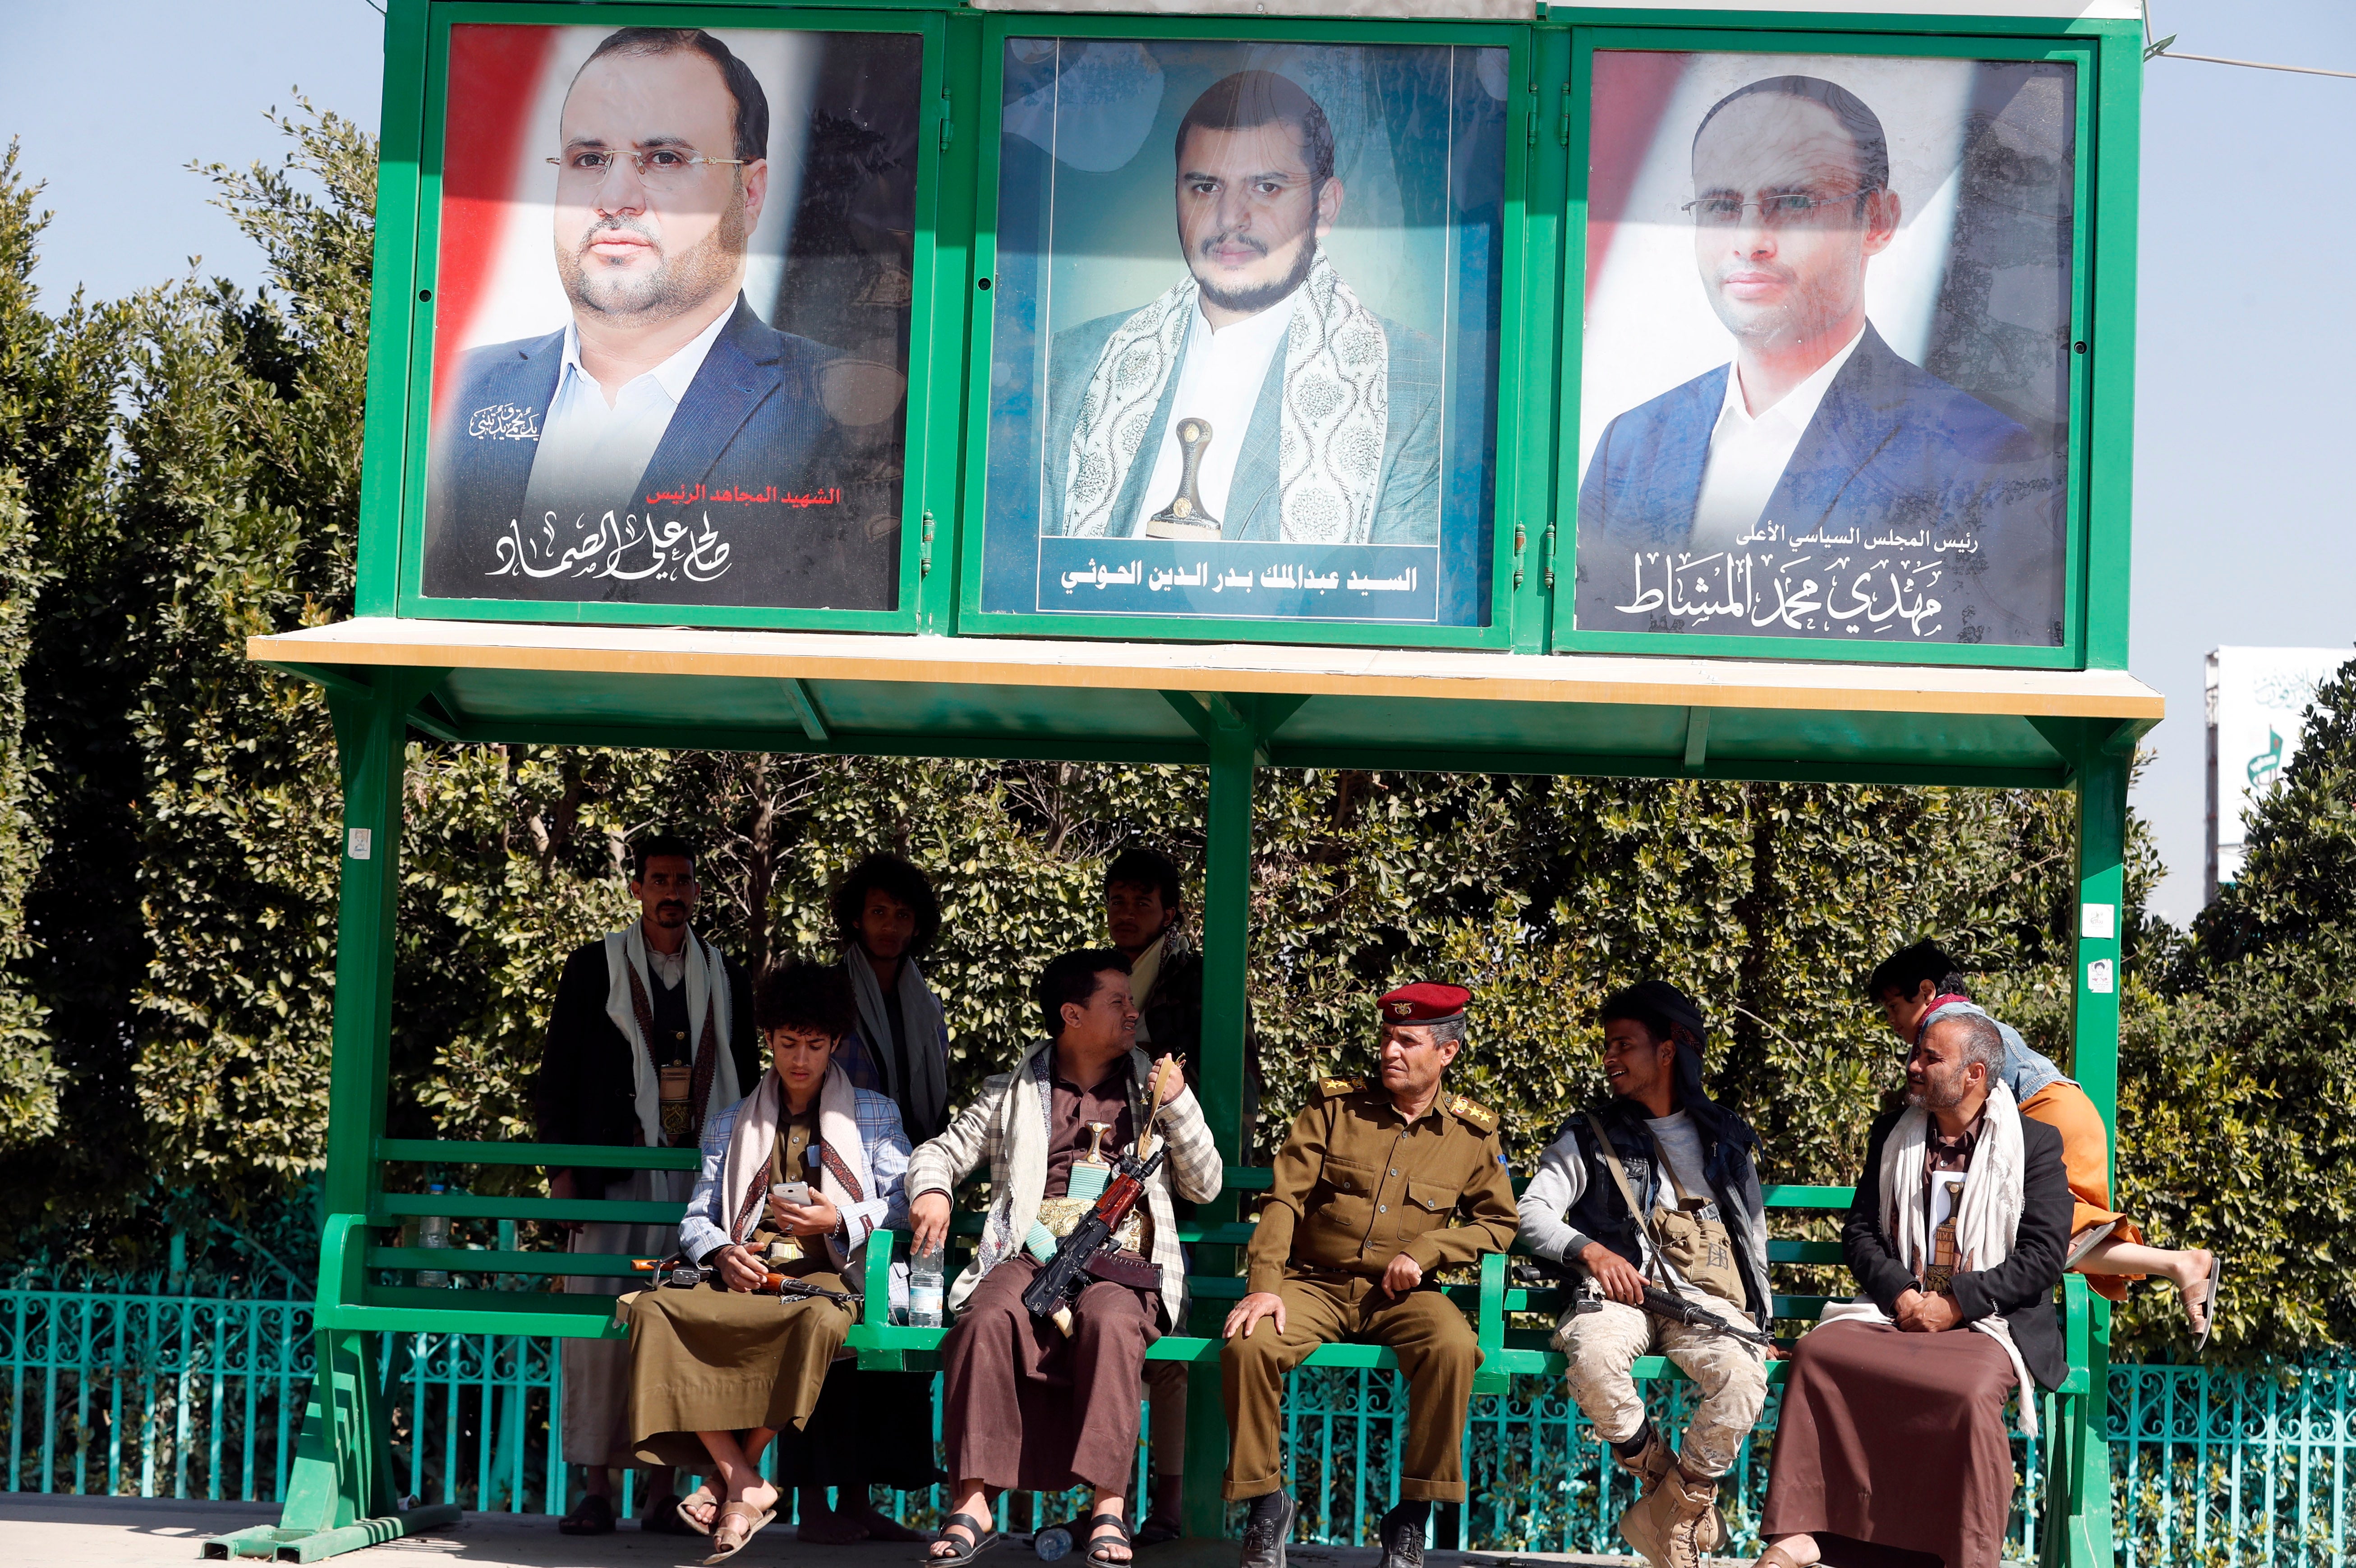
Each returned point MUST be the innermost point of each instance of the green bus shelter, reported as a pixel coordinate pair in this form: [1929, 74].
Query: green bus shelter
[1735, 392]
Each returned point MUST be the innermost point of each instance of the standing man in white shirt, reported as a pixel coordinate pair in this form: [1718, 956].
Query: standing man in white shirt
[1817, 436]
[1314, 420]
[664, 435]
[1657, 1187]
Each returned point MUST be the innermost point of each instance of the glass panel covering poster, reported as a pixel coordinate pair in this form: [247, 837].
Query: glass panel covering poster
[670, 329]
[1824, 388]
[1244, 331]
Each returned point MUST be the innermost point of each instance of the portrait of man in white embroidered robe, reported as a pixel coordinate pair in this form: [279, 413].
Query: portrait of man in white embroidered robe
[1258, 398]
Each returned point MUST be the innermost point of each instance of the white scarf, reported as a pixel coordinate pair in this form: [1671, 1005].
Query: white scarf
[707, 990]
[927, 1030]
[1987, 1217]
[843, 1174]
[1335, 411]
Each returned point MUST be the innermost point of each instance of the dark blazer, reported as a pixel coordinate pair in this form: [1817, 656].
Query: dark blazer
[1891, 447]
[1407, 506]
[2021, 1287]
[586, 1092]
[751, 418]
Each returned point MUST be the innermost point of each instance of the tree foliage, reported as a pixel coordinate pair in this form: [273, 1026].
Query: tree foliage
[180, 471]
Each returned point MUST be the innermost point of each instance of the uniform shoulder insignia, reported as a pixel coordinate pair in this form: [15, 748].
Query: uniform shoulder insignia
[1472, 1112]
[1328, 1087]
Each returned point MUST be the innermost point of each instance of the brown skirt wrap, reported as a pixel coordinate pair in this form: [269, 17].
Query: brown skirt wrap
[718, 1360]
[1896, 1439]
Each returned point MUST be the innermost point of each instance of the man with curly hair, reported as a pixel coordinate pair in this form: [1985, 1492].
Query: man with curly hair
[886, 917]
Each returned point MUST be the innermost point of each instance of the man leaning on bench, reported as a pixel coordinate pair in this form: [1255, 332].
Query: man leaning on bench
[1892, 1443]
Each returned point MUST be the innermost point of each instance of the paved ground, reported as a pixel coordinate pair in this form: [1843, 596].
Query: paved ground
[140, 1532]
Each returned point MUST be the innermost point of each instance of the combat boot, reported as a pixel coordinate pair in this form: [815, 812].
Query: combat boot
[1677, 1523]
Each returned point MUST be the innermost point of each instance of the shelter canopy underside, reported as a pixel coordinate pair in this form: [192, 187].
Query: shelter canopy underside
[1308, 707]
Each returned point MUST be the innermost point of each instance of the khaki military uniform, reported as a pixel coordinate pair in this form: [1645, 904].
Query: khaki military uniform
[1356, 1185]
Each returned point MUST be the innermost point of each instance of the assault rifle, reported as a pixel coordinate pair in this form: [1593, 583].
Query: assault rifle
[1677, 1309]
[1087, 1252]
[684, 1276]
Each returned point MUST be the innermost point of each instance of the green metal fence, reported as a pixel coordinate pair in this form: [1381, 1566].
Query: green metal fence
[156, 1394]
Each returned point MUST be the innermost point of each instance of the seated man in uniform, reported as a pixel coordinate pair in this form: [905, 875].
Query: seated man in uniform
[1892, 1429]
[1028, 1405]
[718, 1371]
[1656, 1186]
[1379, 1186]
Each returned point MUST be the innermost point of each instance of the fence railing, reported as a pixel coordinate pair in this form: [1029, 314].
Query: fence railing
[161, 1395]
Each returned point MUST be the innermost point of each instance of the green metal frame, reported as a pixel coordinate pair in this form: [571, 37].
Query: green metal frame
[2097, 521]
[935, 337]
[1518, 361]
[341, 1494]
[1533, 508]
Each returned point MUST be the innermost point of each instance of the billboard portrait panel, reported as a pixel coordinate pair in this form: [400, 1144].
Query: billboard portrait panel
[1245, 331]
[1826, 373]
[670, 339]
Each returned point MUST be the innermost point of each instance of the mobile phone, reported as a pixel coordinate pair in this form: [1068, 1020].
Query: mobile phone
[796, 1193]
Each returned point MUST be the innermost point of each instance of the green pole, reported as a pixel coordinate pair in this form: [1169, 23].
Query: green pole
[2102, 776]
[342, 1473]
[1226, 932]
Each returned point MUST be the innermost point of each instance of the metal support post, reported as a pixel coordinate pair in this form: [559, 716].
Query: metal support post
[340, 1494]
[2102, 780]
[1226, 933]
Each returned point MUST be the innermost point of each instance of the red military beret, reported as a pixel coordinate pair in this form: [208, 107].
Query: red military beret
[1425, 1002]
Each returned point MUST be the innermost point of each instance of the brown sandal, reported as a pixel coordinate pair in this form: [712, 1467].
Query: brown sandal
[702, 1497]
[736, 1526]
[1776, 1557]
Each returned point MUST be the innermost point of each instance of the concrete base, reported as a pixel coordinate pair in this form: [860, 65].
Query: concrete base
[148, 1532]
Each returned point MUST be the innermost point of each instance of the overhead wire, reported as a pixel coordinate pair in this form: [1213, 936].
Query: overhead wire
[2159, 50]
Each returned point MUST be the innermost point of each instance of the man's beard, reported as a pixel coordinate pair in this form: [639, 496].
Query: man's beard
[1937, 1094]
[676, 285]
[1252, 301]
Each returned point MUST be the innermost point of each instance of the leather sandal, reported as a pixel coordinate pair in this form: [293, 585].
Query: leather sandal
[735, 1528]
[1097, 1544]
[703, 1497]
[1776, 1557]
[2208, 1304]
[983, 1538]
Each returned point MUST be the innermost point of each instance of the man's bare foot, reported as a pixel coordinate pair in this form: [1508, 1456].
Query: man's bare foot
[2192, 1281]
[701, 1505]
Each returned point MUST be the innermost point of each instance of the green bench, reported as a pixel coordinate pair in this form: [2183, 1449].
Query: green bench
[349, 1298]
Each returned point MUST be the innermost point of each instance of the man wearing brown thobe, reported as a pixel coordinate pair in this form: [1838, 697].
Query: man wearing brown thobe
[1026, 1405]
[1381, 1184]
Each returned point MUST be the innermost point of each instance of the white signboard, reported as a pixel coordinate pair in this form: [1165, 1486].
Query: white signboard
[2255, 698]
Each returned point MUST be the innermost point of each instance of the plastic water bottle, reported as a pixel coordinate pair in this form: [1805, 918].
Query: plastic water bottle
[925, 1288]
[433, 1231]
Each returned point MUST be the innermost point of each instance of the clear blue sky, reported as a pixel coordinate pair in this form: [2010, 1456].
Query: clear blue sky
[2246, 397]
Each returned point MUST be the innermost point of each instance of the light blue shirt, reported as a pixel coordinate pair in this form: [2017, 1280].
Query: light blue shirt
[592, 454]
[705, 1224]
[2025, 1071]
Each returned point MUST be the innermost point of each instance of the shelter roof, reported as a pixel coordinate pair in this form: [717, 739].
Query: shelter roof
[1308, 707]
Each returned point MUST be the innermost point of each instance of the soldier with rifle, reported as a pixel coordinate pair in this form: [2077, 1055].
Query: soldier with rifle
[1651, 1198]
[1040, 1388]
[1381, 1184]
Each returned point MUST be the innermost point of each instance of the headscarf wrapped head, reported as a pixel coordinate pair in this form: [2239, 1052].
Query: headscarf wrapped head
[1670, 1014]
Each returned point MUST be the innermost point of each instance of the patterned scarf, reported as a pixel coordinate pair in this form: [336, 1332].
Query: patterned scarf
[1335, 411]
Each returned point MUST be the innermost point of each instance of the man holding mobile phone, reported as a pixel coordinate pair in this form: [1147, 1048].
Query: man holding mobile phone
[794, 1179]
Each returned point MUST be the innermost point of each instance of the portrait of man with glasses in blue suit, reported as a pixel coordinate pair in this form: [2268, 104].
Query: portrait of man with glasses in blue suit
[1825, 484]
[665, 437]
